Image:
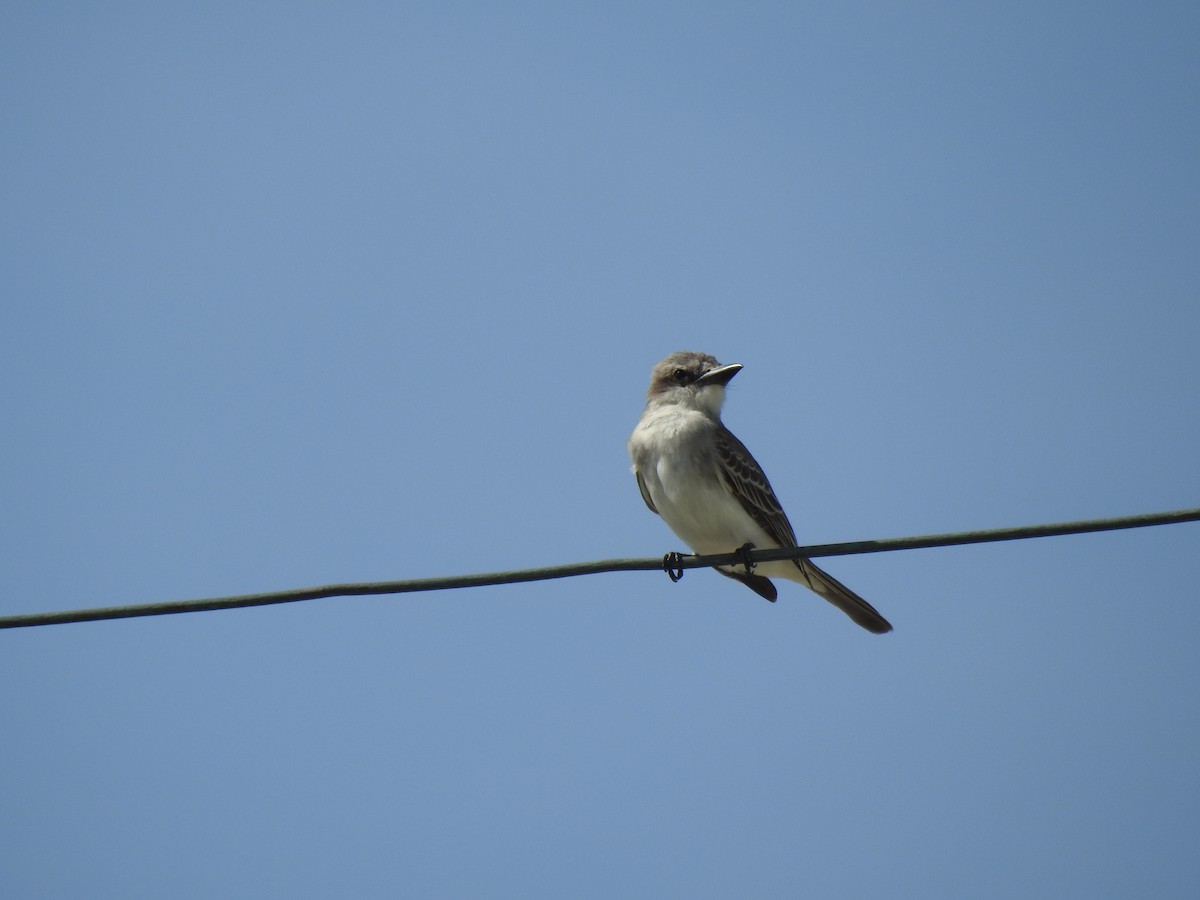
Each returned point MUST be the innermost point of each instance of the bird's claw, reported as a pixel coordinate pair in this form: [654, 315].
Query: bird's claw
[743, 555]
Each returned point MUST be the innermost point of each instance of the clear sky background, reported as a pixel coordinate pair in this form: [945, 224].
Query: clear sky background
[297, 294]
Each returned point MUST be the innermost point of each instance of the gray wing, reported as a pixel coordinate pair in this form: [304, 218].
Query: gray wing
[746, 480]
[645, 492]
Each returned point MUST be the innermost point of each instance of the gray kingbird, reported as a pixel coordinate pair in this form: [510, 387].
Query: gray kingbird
[712, 493]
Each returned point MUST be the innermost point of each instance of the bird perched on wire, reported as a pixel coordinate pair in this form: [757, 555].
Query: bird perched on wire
[711, 491]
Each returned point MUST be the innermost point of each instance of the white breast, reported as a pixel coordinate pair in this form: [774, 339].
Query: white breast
[672, 449]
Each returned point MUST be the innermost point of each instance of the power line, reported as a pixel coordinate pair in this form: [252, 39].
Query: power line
[593, 568]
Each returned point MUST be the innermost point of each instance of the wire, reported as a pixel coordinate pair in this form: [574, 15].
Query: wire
[570, 570]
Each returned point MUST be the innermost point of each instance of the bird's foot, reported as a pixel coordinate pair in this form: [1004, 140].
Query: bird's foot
[671, 565]
[743, 555]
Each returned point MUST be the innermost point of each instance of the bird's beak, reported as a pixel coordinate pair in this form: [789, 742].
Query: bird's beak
[719, 375]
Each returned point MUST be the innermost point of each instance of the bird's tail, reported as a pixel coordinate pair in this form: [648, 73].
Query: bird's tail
[842, 597]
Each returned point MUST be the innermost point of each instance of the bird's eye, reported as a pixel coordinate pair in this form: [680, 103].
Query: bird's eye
[680, 376]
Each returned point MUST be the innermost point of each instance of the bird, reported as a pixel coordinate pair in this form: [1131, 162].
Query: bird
[709, 489]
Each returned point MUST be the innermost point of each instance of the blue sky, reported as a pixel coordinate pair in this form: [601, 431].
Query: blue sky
[298, 294]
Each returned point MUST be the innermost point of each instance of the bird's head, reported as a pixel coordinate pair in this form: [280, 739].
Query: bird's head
[693, 379]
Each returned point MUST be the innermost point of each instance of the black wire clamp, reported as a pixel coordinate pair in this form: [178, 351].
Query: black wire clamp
[671, 565]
